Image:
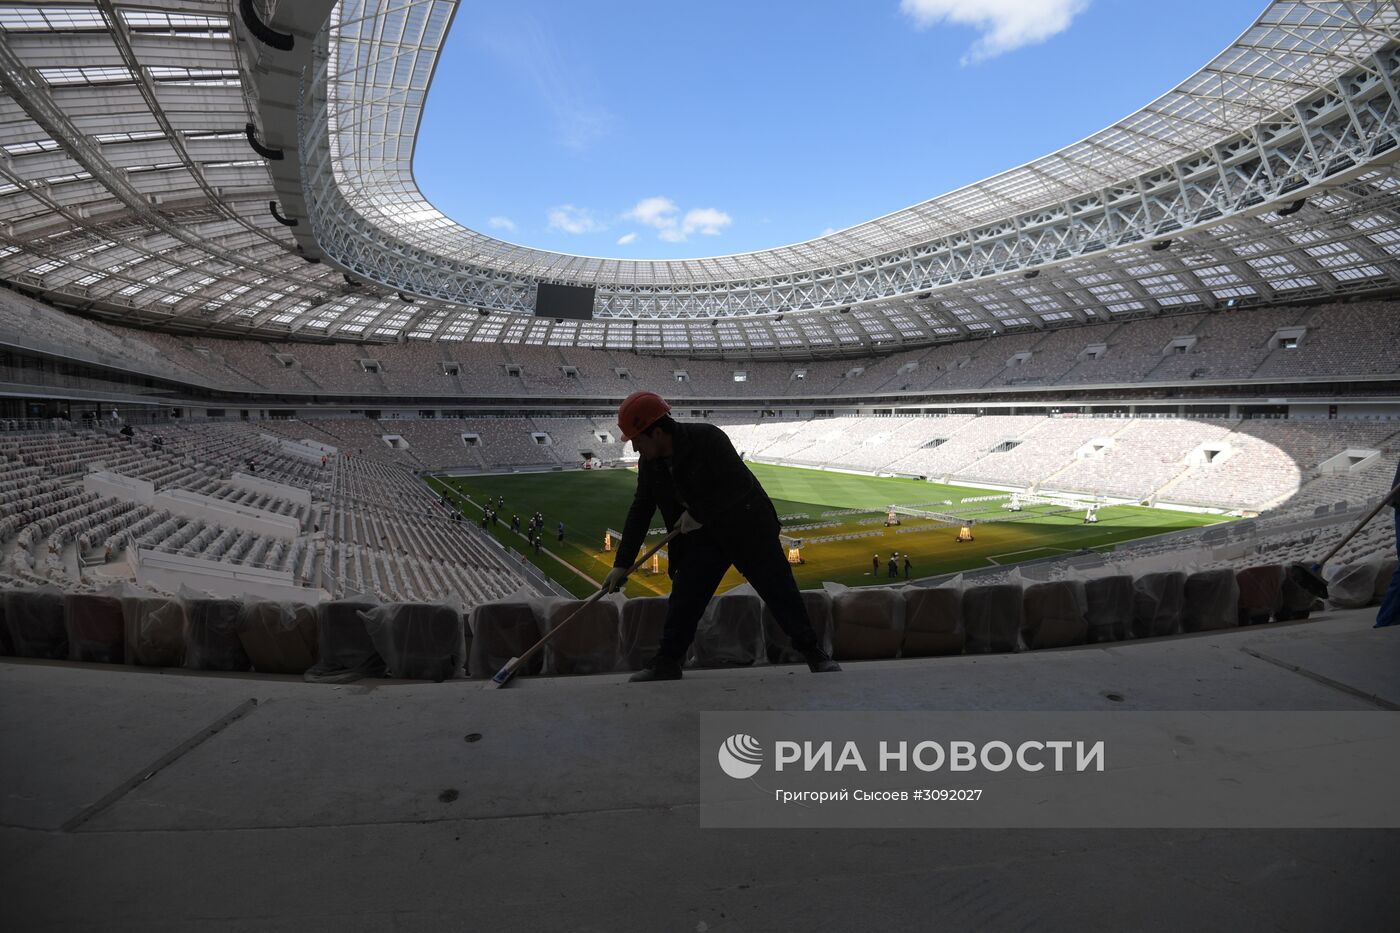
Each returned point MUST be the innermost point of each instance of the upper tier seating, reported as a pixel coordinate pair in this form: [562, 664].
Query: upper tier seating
[1344, 339]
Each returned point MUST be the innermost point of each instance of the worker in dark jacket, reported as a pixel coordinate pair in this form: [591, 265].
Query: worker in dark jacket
[693, 475]
[1390, 606]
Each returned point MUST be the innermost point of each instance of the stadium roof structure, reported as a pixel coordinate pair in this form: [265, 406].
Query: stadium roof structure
[245, 166]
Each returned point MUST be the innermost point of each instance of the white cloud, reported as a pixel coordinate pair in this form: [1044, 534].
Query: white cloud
[501, 223]
[706, 220]
[1004, 24]
[569, 219]
[626, 239]
[663, 216]
[654, 212]
[828, 231]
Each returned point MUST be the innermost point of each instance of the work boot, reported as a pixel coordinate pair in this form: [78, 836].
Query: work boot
[818, 661]
[660, 668]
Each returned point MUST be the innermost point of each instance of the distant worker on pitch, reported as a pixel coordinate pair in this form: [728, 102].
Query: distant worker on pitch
[692, 474]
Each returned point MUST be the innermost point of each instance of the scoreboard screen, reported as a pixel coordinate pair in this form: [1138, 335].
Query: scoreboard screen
[574, 302]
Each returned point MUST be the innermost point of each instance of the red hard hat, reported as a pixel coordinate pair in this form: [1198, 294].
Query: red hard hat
[639, 411]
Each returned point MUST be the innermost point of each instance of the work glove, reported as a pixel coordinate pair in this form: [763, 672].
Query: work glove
[614, 580]
[687, 524]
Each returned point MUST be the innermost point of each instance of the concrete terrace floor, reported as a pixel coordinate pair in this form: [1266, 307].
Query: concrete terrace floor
[364, 807]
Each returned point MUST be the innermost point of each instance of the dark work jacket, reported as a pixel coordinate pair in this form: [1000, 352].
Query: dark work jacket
[707, 478]
[1395, 503]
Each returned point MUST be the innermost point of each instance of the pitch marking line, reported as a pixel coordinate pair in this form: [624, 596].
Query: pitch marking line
[993, 559]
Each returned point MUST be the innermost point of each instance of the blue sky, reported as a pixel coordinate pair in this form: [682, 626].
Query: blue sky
[674, 129]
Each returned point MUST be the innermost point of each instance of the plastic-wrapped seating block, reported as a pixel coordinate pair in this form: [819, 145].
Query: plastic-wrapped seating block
[96, 629]
[279, 638]
[35, 622]
[155, 631]
[1109, 608]
[1261, 593]
[639, 630]
[211, 638]
[501, 631]
[933, 623]
[779, 647]
[1157, 601]
[1211, 600]
[1385, 570]
[343, 647]
[867, 623]
[992, 617]
[730, 633]
[589, 645]
[418, 641]
[1055, 615]
[1350, 586]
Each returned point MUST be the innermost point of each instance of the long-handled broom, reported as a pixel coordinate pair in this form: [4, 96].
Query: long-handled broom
[1309, 577]
[504, 675]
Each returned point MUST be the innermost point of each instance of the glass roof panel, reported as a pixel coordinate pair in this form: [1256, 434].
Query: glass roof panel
[45, 19]
[120, 205]
[392, 43]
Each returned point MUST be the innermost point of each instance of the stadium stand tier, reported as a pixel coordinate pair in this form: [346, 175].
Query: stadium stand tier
[1342, 341]
[367, 526]
[358, 527]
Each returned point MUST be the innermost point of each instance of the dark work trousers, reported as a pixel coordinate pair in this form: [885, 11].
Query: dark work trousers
[1390, 606]
[695, 578]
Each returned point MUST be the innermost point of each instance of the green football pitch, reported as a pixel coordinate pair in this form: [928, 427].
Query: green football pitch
[591, 501]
